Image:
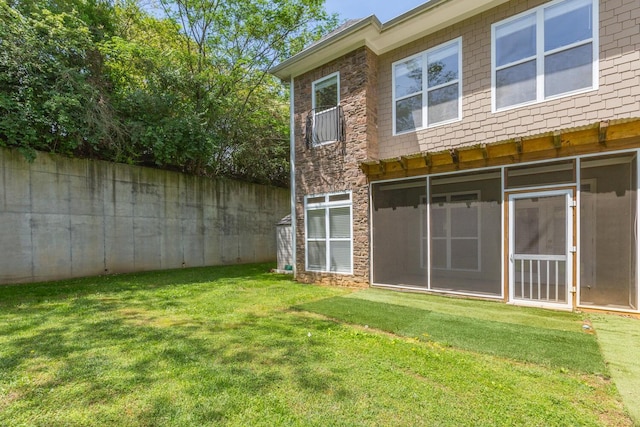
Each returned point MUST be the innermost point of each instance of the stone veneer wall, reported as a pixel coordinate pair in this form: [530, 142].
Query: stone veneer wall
[328, 169]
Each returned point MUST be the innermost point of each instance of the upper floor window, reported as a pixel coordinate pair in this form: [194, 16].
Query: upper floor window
[547, 52]
[325, 117]
[426, 88]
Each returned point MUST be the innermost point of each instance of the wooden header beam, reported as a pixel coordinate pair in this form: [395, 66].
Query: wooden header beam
[601, 137]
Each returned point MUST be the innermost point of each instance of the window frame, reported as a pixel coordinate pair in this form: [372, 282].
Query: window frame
[424, 91]
[327, 204]
[541, 55]
[313, 101]
[448, 238]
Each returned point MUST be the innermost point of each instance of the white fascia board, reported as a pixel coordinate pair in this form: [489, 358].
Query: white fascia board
[425, 19]
[406, 29]
[329, 49]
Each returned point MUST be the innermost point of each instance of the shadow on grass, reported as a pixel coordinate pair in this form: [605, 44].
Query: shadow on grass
[554, 348]
[86, 352]
[62, 289]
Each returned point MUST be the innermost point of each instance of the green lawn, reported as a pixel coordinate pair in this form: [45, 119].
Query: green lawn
[239, 346]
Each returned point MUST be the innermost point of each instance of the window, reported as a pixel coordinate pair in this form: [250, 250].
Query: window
[547, 52]
[455, 231]
[325, 100]
[426, 88]
[328, 237]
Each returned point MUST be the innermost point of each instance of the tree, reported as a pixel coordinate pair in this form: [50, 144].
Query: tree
[188, 90]
[230, 46]
[44, 89]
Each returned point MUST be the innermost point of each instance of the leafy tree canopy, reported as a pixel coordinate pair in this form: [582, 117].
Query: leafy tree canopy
[182, 85]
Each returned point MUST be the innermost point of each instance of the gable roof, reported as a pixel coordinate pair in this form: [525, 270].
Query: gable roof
[419, 22]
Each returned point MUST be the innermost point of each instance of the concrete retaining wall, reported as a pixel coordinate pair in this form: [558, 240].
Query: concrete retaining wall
[62, 218]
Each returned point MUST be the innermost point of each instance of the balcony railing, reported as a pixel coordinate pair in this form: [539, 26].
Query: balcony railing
[324, 125]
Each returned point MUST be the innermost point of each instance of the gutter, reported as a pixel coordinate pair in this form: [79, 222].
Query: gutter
[292, 170]
[421, 21]
[331, 39]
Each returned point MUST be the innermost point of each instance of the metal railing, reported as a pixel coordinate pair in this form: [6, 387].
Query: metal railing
[324, 125]
[540, 277]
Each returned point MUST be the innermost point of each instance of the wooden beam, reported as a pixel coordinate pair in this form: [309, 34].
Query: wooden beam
[600, 137]
[518, 142]
[557, 139]
[427, 159]
[603, 127]
[455, 157]
[403, 162]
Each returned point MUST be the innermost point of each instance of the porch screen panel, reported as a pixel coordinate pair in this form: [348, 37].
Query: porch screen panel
[540, 248]
[465, 213]
[556, 173]
[400, 233]
[608, 237]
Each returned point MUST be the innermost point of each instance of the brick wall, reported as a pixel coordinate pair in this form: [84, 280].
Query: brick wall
[617, 97]
[334, 167]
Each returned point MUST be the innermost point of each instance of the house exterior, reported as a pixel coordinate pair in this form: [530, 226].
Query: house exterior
[485, 148]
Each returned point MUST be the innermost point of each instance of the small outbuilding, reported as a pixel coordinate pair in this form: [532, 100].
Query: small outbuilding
[285, 247]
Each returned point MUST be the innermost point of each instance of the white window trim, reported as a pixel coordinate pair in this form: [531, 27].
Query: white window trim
[326, 205]
[540, 55]
[448, 238]
[313, 101]
[424, 92]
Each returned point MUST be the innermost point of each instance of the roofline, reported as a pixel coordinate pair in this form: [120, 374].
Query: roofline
[420, 21]
[364, 23]
[411, 13]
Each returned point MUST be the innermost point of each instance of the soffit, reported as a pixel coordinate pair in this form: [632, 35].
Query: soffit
[381, 38]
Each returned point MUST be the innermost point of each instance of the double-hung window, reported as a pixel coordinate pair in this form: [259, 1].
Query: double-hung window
[325, 98]
[427, 88]
[329, 233]
[545, 53]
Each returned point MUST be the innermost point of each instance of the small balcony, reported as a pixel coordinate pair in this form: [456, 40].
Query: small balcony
[324, 125]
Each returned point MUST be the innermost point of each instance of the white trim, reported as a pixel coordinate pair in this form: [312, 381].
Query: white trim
[438, 291]
[292, 173]
[424, 90]
[313, 102]
[541, 54]
[321, 80]
[637, 227]
[578, 215]
[503, 219]
[568, 193]
[428, 219]
[370, 225]
[326, 206]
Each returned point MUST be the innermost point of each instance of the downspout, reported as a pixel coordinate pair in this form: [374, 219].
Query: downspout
[292, 167]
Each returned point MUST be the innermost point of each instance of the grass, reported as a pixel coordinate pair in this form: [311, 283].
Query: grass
[239, 346]
[620, 340]
[489, 328]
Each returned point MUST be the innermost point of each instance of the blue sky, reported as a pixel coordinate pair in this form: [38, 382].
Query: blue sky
[385, 10]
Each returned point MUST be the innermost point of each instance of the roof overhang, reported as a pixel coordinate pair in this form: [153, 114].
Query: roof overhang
[419, 22]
